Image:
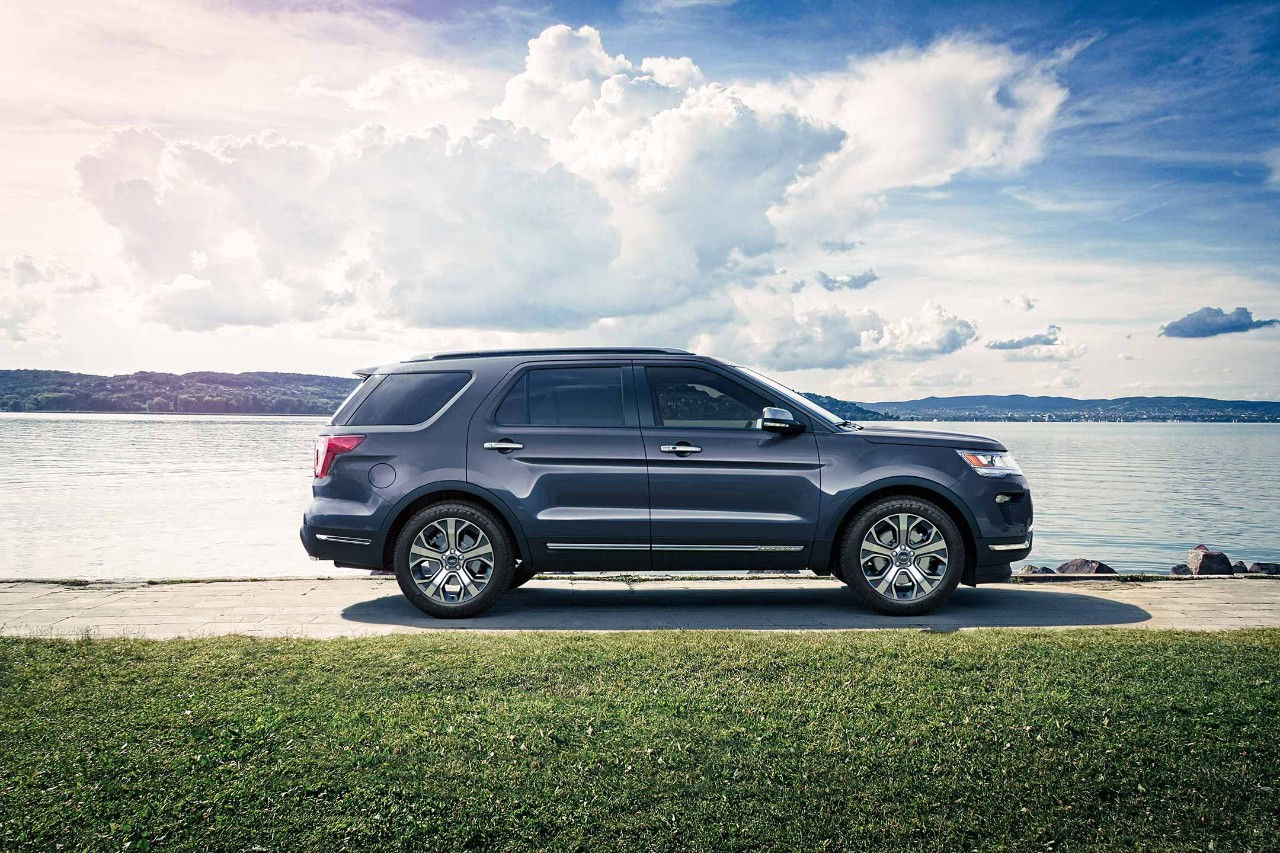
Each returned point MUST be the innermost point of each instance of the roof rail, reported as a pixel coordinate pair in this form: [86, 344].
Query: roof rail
[496, 353]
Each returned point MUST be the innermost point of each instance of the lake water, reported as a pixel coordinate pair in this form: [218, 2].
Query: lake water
[147, 496]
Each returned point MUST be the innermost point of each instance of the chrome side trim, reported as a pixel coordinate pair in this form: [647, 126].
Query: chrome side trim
[1014, 547]
[597, 546]
[604, 546]
[345, 540]
[728, 548]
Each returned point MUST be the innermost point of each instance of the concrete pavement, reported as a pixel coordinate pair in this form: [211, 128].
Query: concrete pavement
[363, 606]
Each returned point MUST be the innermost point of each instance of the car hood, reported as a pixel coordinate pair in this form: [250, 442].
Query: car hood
[928, 437]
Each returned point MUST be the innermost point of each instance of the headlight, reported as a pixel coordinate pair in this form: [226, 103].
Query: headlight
[990, 464]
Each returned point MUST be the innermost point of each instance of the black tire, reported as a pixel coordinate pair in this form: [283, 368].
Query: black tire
[852, 571]
[521, 577]
[500, 574]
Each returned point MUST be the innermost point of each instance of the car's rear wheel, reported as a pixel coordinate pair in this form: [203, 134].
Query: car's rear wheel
[902, 556]
[454, 560]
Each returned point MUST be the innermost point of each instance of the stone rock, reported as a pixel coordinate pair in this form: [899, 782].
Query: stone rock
[1264, 568]
[1036, 570]
[1205, 561]
[1081, 566]
[1182, 570]
[1238, 566]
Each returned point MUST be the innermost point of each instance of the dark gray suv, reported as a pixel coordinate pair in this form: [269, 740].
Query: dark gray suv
[469, 473]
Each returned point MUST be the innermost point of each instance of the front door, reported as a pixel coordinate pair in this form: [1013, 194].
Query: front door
[723, 493]
[561, 445]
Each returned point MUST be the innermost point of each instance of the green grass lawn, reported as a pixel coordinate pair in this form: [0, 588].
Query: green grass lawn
[981, 740]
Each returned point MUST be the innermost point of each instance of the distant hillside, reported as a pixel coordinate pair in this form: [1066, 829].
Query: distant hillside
[1019, 407]
[201, 392]
[845, 409]
[263, 393]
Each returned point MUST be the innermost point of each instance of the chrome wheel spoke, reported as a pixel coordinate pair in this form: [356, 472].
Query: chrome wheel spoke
[903, 527]
[424, 552]
[480, 551]
[921, 580]
[433, 584]
[938, 546]
[877, 549]
[468, 584]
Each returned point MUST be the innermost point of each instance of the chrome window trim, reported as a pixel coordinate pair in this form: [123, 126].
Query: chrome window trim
[370, 429]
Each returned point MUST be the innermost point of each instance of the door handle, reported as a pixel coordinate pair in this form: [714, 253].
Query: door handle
[681, 449]
[506, 445]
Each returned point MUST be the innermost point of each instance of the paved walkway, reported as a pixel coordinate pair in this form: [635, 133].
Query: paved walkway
[362, 606]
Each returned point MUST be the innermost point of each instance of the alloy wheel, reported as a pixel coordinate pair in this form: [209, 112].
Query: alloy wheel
[451, 560]
[903, 556]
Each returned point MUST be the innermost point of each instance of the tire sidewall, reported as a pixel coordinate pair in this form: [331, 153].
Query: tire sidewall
[851, 567]
[503, 559]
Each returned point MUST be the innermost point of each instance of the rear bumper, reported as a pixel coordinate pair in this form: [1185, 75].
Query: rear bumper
[349, 547]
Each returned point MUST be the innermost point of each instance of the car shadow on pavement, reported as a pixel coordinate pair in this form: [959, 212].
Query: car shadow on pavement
[545, 607]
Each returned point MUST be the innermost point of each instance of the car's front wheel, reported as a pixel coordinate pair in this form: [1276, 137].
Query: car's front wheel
[902, 556]
[454, 560]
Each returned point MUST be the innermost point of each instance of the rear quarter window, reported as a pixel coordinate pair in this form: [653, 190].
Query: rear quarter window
[404, 399]
[349, 403]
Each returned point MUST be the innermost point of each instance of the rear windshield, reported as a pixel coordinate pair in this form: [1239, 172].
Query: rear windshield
[403, 399]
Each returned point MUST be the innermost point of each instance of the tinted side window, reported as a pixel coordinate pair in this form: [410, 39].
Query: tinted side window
[514, 408]
[698, 398]
[403, 399]
[565, 396]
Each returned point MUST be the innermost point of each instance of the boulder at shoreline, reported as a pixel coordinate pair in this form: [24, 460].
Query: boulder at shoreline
[1180, 571]
[1203, 560]
[1264, 569]
[1036, 570]
[1081, 566]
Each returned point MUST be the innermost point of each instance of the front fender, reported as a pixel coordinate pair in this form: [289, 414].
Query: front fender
[849, 500]
[842, 504]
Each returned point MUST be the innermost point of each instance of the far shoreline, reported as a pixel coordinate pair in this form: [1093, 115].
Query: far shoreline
[888, 424]
[173, 414]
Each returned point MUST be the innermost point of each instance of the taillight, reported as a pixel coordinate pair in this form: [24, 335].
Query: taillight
[330, 446]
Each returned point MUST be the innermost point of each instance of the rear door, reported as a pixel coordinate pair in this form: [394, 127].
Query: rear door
[561, 444]
[724, 494]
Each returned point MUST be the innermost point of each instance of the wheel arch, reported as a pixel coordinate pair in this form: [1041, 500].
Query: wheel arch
[915, 487]
[449, 490]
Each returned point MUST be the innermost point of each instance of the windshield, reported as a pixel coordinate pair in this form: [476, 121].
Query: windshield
[794, 396]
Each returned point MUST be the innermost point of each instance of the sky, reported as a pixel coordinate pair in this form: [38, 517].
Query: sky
[878, 201]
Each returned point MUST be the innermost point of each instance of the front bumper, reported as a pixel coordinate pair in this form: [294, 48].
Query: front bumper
[995, 555]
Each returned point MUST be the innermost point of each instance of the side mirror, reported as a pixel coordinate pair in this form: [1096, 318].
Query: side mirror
[779, 420]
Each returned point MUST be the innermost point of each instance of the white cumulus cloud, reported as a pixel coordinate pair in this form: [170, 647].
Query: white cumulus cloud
[833, 337]
[601, 189]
